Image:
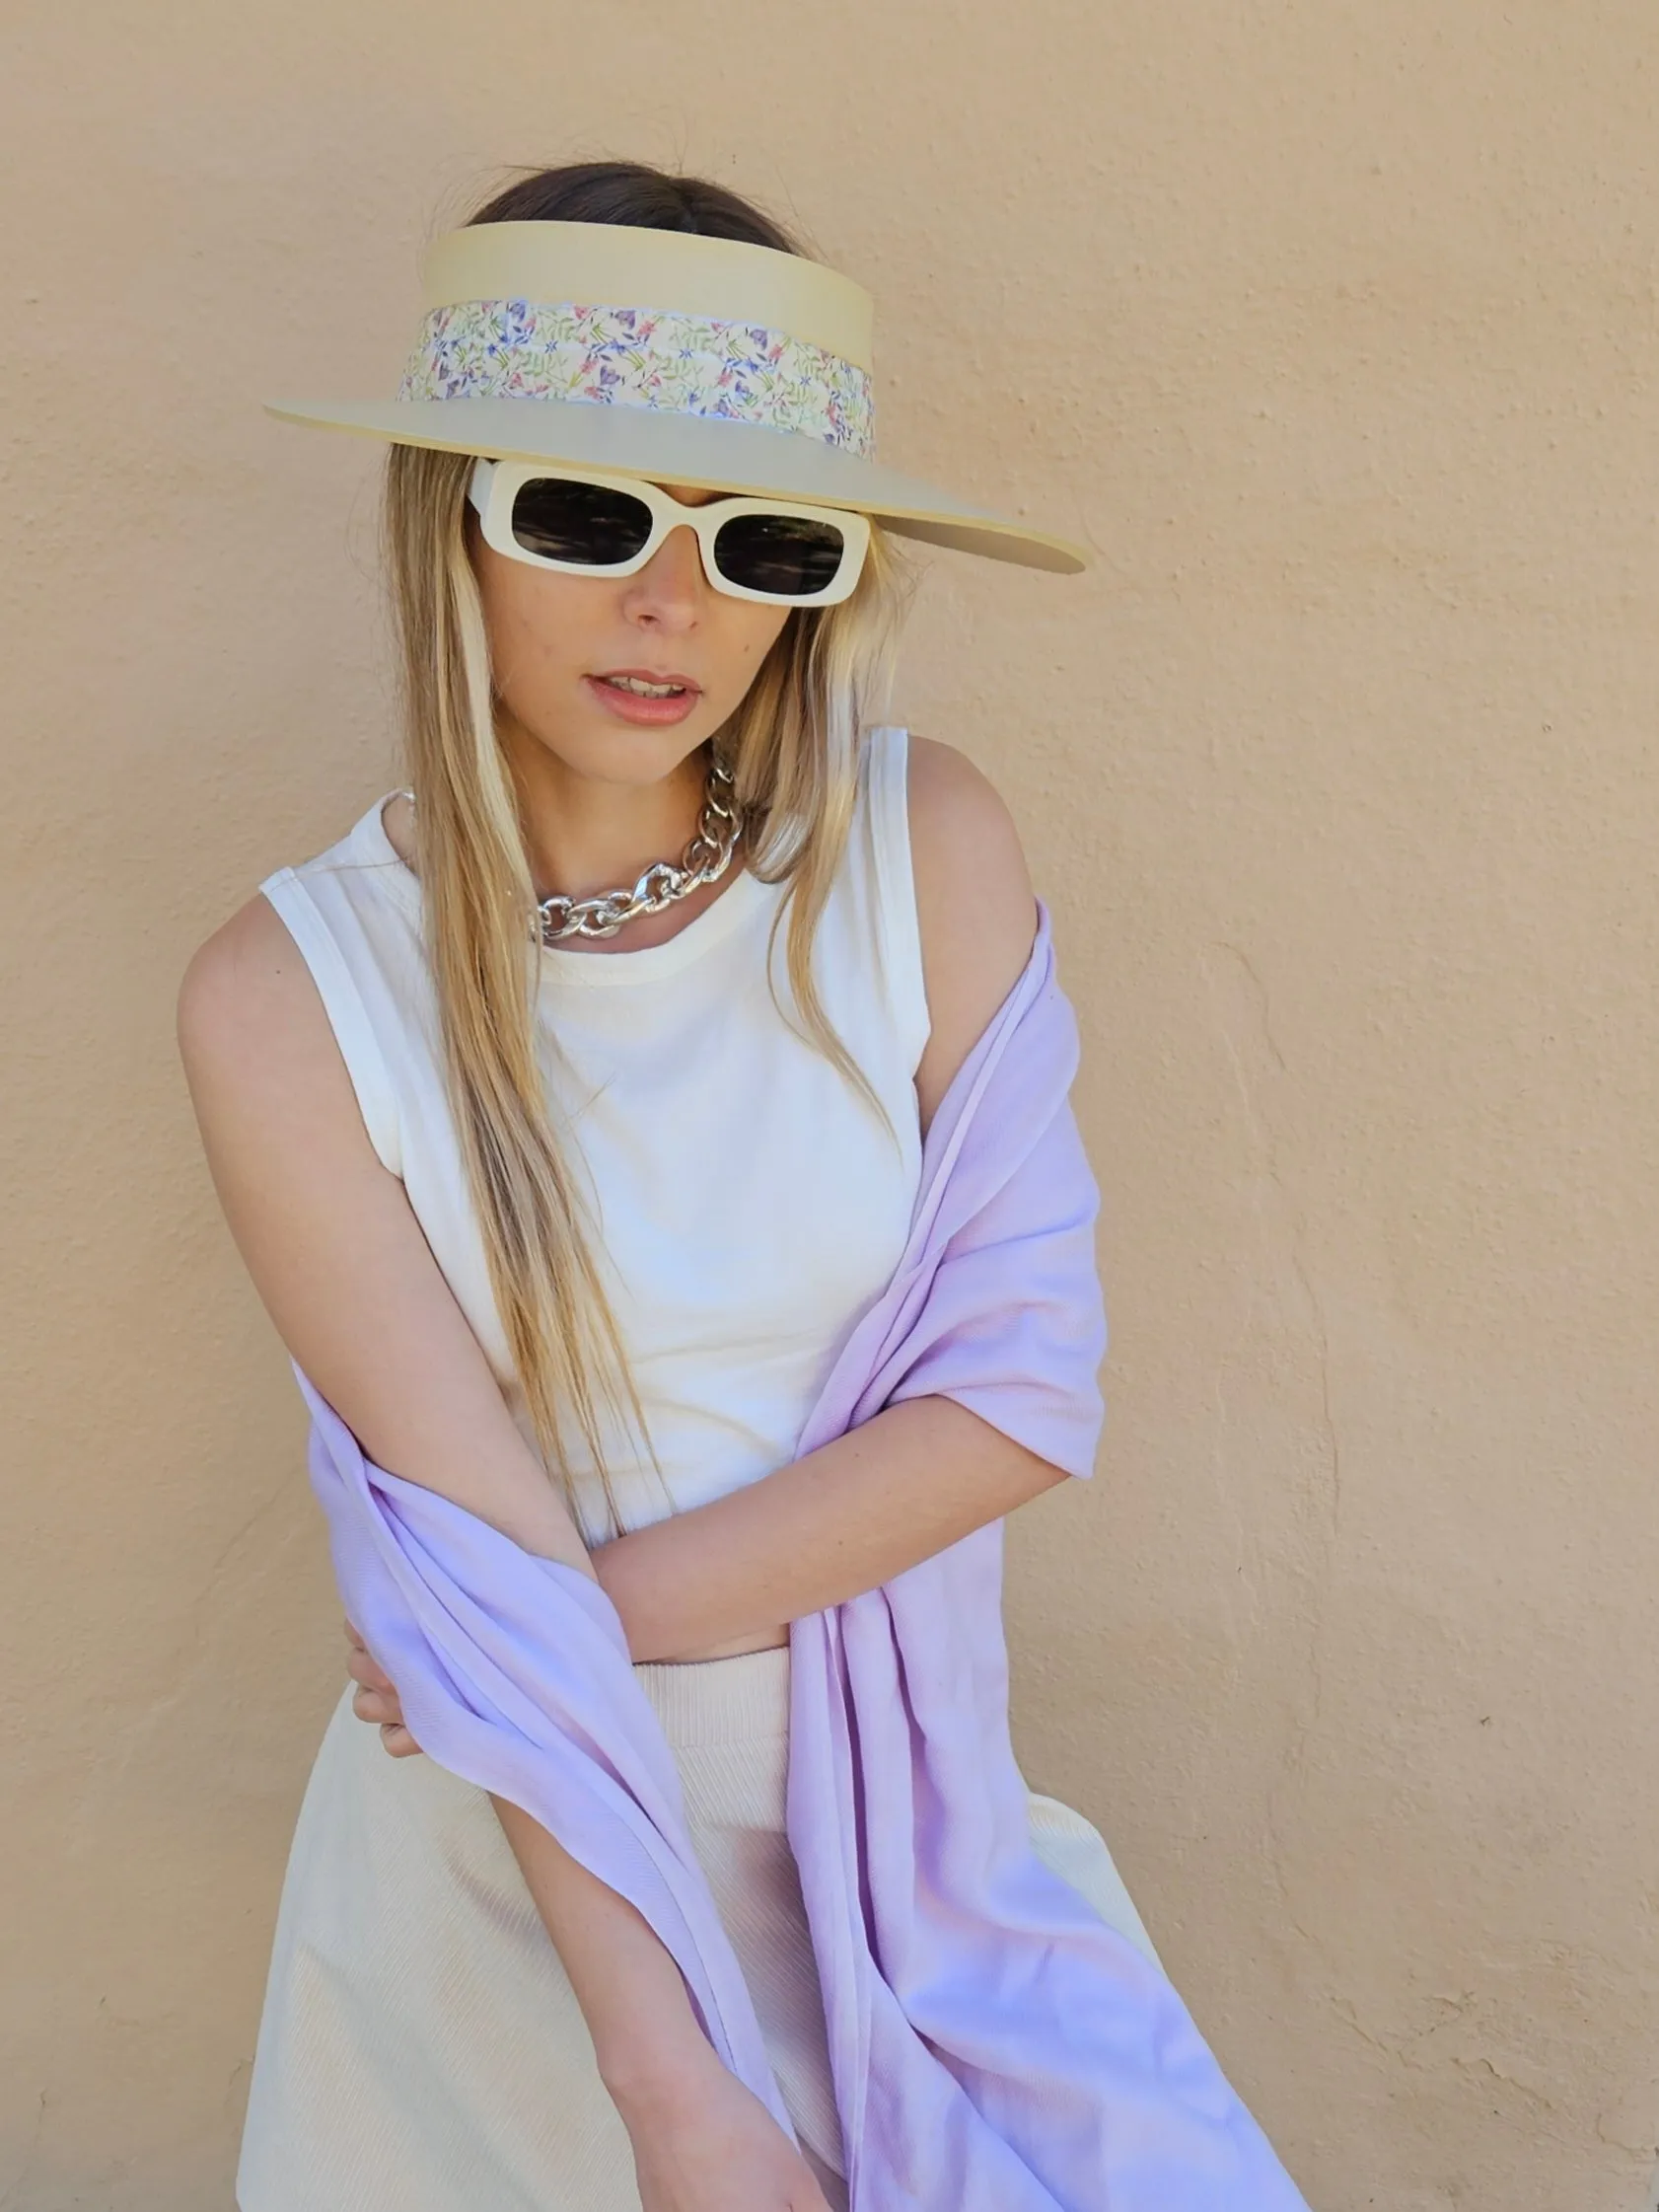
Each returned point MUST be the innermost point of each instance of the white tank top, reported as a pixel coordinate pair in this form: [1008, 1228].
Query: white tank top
[751, 1205]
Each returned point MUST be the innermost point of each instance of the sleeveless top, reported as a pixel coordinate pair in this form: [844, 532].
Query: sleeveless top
[747, 1202]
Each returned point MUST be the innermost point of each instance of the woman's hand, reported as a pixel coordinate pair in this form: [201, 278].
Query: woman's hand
[709, 2145]
[376, 1699]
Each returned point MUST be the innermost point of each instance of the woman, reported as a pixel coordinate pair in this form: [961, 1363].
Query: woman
[610, 1216]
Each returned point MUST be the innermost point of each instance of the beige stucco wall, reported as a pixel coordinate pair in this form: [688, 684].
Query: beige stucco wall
[1332, 327]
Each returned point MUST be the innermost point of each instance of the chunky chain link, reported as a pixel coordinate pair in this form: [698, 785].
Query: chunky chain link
[704, 861]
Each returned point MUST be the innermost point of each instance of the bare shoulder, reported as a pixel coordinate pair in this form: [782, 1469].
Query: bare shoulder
[247, 999]
[248, 956]
[279, 1117]
[974, 904]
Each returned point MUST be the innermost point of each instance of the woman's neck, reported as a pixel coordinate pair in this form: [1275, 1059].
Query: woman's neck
[586, 835]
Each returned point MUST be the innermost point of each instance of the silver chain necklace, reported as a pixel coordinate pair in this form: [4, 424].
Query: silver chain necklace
[704, 861]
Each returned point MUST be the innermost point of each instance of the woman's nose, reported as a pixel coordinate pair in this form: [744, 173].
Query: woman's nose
[669, 590]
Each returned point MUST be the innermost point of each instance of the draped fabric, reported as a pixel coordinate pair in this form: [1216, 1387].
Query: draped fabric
[995, 2047]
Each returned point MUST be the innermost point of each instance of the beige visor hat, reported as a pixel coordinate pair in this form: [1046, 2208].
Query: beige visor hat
[666, 357]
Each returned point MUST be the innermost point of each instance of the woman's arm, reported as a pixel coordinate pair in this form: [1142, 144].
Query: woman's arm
[901, 1486]
[334, 1248]
[349, 1278]
[691, 2121]
[924, 1473]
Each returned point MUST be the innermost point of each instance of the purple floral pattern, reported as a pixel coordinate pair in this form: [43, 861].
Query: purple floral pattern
[639, 357]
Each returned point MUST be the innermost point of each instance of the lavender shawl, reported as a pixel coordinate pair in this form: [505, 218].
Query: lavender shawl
[995, 2047]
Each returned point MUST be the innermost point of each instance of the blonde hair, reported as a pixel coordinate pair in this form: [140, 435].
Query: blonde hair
[794, 747]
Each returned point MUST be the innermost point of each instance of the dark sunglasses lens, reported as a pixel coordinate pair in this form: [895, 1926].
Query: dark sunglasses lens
[778, 553]
[589, 523]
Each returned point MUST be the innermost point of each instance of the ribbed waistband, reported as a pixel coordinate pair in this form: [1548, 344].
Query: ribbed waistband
[735, 1700]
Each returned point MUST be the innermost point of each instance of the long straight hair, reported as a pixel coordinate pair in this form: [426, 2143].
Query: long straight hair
[794, 746]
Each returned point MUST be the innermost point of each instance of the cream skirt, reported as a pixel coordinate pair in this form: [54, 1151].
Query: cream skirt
[422, 2050]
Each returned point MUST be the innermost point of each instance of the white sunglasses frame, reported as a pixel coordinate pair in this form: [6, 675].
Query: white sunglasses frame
[495, 485]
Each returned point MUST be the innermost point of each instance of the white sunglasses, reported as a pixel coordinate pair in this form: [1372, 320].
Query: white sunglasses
[587, 523]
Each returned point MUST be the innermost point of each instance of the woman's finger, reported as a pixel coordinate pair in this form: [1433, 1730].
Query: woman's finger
[376, 1699]
[362, 1668]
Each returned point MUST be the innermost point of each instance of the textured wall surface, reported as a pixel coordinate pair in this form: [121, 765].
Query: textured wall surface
[1332, 327]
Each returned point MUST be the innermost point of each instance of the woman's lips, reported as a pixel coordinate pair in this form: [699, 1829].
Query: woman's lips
[638, 706]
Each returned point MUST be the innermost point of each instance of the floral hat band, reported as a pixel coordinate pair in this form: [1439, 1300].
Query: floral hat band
[641, 357]
[659, 354]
